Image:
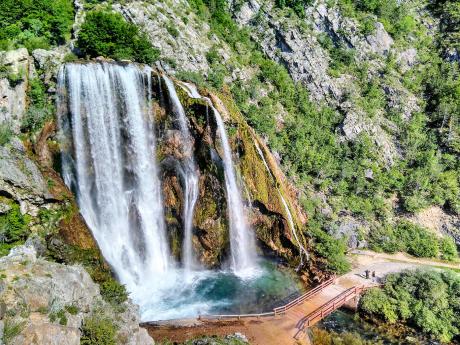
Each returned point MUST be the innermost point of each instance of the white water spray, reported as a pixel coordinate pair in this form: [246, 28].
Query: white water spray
[113, 168]
[242, 242]
[190, 177]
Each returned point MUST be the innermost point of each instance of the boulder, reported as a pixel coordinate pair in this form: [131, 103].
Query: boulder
[21, 178]
[49, 62]
[380, 41]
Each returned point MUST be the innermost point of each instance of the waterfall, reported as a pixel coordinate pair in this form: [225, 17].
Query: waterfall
[302, 249]
[242, 243]
[106, 117]
[190, 176]
[286, 208]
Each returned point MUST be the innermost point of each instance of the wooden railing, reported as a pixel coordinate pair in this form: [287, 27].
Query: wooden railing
[330, 306]
[278, 310]
[304, 297]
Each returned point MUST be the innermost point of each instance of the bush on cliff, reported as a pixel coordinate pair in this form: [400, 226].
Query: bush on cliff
[107, 34]
[13, 229]
[98, 330]
[413, 239]
[428, 300]
[113, 292]
[35, 24]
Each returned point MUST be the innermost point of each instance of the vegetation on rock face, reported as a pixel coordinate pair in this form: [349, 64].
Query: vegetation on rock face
[35, 24]
[449, 13]
[5, 133]
[306, 129]
[40, 108]
[113, 292]
[351, 175]
[298, 6]
[13, 229]
[323, 337]
[107, 34]
[98, 330]
[428, 300]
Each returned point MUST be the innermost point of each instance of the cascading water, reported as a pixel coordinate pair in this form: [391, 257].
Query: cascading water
[113, 169]
[286, 208]
[190, 176]
[107, 135]
[242, 243]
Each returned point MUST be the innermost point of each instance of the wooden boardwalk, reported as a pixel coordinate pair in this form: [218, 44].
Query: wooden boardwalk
[284, 325]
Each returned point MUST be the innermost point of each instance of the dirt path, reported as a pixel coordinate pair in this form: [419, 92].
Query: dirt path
[366, 257]
[280, 330]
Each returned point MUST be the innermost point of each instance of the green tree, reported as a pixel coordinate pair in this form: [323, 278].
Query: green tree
[427, 299]
[108, 34]
[35, 24]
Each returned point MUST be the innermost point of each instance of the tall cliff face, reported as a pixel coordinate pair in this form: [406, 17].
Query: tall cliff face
[264, 185]
[269, 199]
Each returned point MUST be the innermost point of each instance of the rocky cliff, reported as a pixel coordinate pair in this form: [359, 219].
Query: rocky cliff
[264, 185]
[48, 303]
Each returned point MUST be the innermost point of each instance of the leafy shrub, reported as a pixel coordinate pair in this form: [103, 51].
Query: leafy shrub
[298, 6]
[35, 24]
[5, 133]
[448, 248]
[332, 250]
[108, 34]
[413, 239]
[113, 292]
[39, 109]
[98, 330]
[13, 225]
[426, 299]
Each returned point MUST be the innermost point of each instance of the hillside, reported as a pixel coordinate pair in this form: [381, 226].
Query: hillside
[343, 132]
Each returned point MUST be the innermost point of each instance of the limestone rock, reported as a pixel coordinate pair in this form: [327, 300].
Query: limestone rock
[356, 122]
[21, 179]
[437, 220]
[407, 58]
[400, 99]
[49, 62]
[183, 45]
[41, 288]
[13, 96]
[352, 230]
[380, 42]
[247, 11]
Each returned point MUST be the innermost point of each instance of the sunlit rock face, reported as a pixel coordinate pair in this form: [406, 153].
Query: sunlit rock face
[34, 289]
